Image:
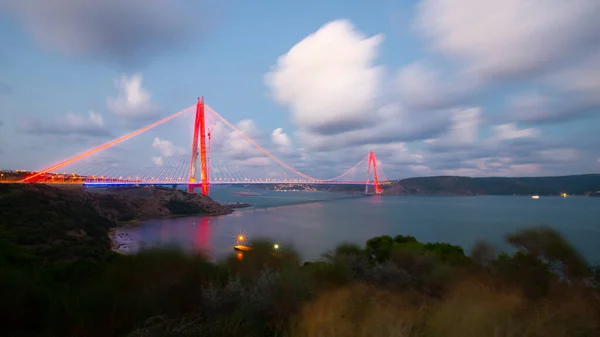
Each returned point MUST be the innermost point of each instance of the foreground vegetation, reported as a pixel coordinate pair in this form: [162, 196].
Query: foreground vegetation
[393, 286]
[58, 277]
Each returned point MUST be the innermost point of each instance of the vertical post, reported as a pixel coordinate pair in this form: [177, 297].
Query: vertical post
[199, 137]
[373, 161]
[194, 158]
[203, 162]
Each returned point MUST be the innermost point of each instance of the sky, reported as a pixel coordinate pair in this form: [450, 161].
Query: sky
[437, 87]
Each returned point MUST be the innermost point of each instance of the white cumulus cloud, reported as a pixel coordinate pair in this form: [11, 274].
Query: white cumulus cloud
[334, 90]
[328, 79]
[281, 140]
[132, 102]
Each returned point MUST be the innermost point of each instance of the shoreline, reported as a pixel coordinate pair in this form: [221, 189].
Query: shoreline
[122, 243]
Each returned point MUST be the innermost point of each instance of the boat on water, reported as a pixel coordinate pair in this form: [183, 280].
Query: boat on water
[535, 197]
[242, 248]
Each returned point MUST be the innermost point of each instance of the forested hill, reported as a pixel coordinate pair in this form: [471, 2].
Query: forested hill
[585, 184]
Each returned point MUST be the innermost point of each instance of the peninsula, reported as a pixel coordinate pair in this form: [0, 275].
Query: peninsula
[66, 222]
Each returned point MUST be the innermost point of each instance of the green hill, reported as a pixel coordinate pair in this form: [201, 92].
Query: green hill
[585, 184]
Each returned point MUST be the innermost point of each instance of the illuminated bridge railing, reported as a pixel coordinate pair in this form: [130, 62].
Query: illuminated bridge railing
[248, 182]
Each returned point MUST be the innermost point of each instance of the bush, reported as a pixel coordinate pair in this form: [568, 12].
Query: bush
[390, 287]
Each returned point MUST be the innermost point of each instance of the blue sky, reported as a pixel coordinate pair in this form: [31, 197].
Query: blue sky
[465, 87]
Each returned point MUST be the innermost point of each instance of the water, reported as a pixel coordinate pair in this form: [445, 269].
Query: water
[315, 222]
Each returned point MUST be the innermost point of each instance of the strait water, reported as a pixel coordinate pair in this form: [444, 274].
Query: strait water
[315, 222]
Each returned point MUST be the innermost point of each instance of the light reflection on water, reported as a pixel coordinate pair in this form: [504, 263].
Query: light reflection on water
[315, 222]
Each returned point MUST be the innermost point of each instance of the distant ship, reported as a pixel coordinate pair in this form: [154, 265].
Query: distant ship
[535, 197]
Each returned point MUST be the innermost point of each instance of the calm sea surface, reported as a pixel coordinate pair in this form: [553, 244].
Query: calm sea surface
[315, 222]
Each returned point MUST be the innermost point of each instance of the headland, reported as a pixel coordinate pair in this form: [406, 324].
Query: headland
[78, 221]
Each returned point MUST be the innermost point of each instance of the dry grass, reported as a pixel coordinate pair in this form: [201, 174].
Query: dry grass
[360, 310]
[472, 308]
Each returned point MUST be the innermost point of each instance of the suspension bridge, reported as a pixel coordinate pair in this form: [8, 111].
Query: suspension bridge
[221, 154]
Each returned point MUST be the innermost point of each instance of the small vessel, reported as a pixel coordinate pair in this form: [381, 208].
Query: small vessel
[242, 248]
[535, 197]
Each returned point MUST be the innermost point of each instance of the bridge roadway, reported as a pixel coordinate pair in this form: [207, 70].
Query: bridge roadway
[183, 183]
[171, 183]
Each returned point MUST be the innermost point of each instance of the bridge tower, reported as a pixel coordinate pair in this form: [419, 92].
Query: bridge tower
[373, 164]
[199, 140]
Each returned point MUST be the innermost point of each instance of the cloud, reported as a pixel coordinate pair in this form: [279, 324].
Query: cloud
[510, 151]
[393, 124]
[232, 150]
[573, 94]
[166, 148]
[133, 103]
[335, 93]
[118, 30]
[158, 161]
[281, 140]
[580, 78]
[559, 154]
[68, 125]
[236, 147]
[510, 131]
[394, 154]
[328, 79]
[551, 109]
[511, 38]
[552, 44]
[464, 131]
[421, 87]
[440, 105]
[5, 89]
[255, 162]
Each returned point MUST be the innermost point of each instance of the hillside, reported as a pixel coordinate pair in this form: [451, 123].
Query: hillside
[586, 184]
[67, 223]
